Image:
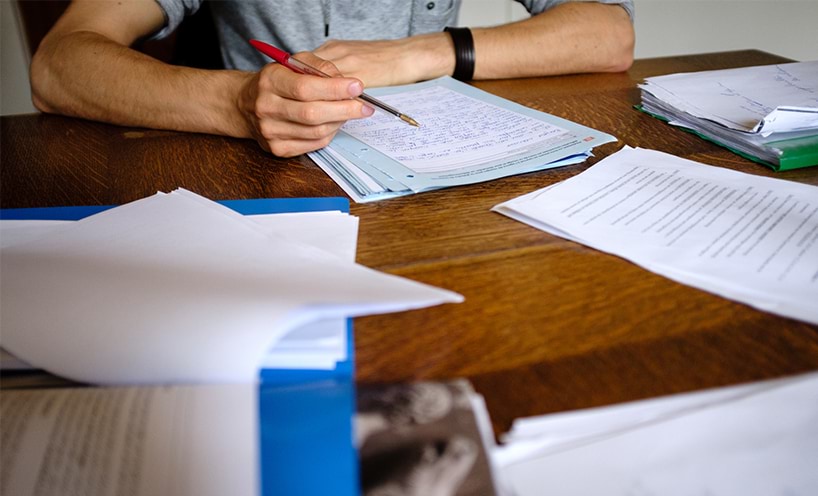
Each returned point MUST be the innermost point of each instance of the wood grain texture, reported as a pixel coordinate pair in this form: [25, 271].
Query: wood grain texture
[547, 325]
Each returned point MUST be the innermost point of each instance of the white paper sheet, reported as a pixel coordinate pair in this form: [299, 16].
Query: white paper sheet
[141, 441]
[175, 288]
[758, 439]
[15, 232]
[321, 344]
[318, 345]
[332, 232]
[749, 238]
[543, 435]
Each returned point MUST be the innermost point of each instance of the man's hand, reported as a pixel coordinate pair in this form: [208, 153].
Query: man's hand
[391, 62]
[290, 113]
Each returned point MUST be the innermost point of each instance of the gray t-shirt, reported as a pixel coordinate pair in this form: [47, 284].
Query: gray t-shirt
[300, 25]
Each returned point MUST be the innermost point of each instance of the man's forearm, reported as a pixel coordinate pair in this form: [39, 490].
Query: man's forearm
[84, 74]
[570, 38]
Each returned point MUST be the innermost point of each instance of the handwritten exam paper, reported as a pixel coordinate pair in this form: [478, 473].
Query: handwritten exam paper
[458, 131]
[749, 238]
[466, 136]
[175, 288]
[754, 439]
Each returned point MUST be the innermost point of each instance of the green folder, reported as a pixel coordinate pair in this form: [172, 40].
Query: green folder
[793, 153]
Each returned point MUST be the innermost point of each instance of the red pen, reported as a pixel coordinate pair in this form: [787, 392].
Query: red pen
[296, 65]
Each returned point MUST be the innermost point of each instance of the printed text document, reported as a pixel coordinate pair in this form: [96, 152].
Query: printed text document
[749, 238]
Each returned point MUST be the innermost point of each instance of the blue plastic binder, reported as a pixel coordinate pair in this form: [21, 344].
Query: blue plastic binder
[306, 444]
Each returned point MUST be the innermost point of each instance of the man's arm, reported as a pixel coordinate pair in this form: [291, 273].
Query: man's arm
[85, 67]
[570, 38]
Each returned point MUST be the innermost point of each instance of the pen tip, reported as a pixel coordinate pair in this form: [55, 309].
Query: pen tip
[409, 120]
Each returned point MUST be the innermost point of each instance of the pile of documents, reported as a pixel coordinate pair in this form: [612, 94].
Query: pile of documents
[765, 113]
[465, 136]
[754, 439]
[744, 237]
[175, 288]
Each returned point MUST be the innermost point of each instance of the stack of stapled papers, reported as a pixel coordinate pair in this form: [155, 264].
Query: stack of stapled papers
[767, 113]
[176, 288]
[465, 136]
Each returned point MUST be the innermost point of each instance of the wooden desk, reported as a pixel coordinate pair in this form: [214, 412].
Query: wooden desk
[547, 325]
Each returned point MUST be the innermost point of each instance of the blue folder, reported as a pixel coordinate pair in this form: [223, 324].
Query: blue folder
[306, 444]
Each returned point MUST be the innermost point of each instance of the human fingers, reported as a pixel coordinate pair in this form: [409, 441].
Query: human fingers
[321, 63]
[293, 147]
[286, 83]
[286, 138]
[309, 113]
[286, 126]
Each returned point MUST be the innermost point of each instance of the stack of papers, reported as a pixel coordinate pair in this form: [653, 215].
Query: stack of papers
[749, 238]
[465, 136]
[755, 439]
[175, 288]
[766, 113]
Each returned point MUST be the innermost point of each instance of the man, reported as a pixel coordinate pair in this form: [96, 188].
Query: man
[84, 66]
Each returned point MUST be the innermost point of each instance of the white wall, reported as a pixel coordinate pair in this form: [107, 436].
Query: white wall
[15, 97]
[663, 27]
[675, 27]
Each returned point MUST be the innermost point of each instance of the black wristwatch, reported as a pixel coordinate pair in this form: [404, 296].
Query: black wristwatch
[463, 53]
